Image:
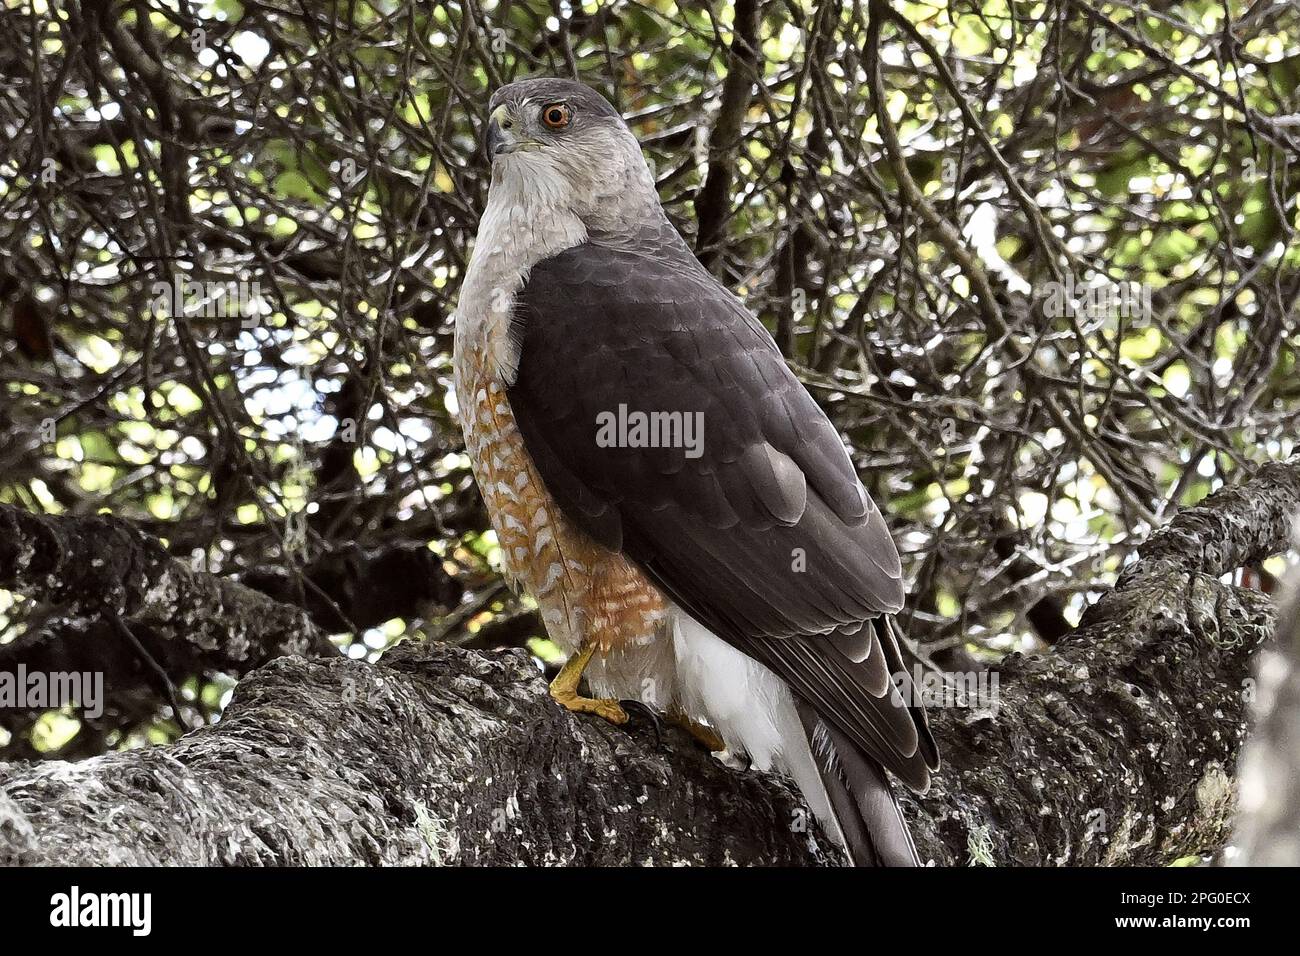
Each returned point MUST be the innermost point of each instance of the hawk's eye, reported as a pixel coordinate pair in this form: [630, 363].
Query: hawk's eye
[555, 115]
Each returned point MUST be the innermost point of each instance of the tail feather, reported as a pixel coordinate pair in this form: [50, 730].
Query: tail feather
[861, 799]
[757, 713]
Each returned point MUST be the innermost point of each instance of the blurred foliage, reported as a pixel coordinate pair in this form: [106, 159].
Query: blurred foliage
[319, 165]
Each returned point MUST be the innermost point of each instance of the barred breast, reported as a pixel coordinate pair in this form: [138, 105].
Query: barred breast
[584, 591]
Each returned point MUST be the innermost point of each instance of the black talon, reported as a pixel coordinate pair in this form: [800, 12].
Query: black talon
[635, 706]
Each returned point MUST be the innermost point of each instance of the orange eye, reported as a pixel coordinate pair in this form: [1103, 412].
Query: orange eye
[555, 115]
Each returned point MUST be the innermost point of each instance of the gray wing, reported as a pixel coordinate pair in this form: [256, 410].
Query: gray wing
[763, 532]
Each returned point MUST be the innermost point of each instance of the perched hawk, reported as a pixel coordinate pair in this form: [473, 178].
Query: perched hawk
[682, 511]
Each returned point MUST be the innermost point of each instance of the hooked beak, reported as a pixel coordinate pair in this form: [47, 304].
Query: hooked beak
[499, 138]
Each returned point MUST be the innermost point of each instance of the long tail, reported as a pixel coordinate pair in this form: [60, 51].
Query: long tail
[756, 713]
[861, 800]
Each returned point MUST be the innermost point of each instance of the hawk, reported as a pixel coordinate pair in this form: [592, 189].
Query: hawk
[684, 514]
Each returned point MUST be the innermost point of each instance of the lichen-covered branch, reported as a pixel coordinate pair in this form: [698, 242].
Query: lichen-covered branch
[1234, 527]
[1116, 747]
[1119, 746]
[102, 565]
[436, 755]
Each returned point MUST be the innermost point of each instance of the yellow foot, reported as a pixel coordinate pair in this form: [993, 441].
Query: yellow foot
[565, 690]
[605, 707]
[705, 735]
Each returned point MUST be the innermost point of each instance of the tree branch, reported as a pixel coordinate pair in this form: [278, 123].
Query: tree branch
[712, 204]
[1117, 747]
[353, 588]
[436, 755]
[1232, 528]
[103, 565]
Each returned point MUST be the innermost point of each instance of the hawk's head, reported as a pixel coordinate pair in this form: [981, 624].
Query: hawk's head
[565, 140]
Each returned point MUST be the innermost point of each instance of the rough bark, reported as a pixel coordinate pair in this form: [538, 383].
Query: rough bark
[119, 604]
[437, 755]
[1120, 746]
[104, 566]
[1116, 747]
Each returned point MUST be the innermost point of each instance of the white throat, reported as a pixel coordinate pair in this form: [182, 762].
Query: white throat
[526, 220]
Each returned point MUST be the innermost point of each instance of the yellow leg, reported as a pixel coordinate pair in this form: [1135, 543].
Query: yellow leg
[565, 690]
[705, 735]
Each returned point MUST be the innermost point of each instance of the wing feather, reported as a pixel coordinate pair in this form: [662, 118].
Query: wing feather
[766, 537]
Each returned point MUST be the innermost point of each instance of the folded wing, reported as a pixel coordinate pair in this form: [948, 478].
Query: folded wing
[665, 422]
